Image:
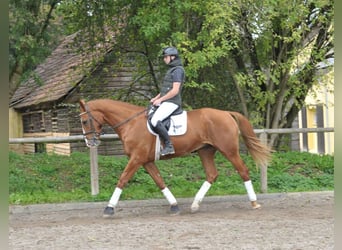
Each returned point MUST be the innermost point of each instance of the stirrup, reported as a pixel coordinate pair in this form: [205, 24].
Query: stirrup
[168, 150]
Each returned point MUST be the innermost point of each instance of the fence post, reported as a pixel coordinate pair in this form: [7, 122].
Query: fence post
[263, 171]
[94, 174]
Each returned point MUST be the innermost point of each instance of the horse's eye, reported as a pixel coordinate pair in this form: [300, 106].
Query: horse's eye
[84, 122]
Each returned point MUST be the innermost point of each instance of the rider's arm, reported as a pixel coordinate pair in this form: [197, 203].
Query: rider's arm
[174, 91]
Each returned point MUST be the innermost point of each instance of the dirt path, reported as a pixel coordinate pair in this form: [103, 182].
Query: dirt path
[285, 221]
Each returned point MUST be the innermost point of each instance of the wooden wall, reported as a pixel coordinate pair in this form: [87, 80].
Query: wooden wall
[57, 148]
[114, 78]
[15, 129]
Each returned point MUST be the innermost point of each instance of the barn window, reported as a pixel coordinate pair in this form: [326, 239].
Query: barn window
[33, 122]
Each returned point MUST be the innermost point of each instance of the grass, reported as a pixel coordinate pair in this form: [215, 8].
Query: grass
[43, 178]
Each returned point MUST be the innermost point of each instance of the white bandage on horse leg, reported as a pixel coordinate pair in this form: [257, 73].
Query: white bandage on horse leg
[200, 195]
[115, 197]
[203, 190]
[250, 190]
[169, 196]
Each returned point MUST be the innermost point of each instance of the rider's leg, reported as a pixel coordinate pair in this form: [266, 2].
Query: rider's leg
[168, 147]
[164, 110]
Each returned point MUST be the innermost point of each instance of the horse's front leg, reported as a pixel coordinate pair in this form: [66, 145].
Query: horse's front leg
[153, 171]
[126, 175]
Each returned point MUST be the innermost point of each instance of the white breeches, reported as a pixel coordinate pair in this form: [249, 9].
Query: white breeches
[164, 110]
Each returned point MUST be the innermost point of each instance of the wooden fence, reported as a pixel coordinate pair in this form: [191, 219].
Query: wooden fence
[93, 151]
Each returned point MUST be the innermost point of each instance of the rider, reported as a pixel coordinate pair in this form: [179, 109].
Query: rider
[169, 99]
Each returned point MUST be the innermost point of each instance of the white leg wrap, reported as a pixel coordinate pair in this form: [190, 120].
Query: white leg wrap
[250, 190]
[115, 197]
[200, 195]
[169, 196]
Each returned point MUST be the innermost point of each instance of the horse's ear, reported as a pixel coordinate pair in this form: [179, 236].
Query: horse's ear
[82, 104]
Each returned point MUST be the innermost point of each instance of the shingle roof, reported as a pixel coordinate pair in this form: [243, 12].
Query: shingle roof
[56, 77]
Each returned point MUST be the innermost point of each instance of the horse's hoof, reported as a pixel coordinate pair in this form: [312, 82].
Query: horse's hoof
[194, 208]
[108, 212]
[255, 205]
[174, 210]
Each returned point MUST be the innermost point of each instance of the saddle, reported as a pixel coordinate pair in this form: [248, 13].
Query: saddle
[175, 124]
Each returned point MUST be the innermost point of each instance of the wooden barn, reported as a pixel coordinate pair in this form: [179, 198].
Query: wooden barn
[47, 103]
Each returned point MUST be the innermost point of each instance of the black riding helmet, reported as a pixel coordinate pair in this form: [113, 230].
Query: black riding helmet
[170, 51]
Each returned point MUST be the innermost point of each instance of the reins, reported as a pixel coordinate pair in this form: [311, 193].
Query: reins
[129, 118]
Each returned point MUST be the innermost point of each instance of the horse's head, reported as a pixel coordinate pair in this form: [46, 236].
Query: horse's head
[91, 125]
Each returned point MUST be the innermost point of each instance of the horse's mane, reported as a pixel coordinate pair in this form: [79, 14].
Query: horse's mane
[114, 103]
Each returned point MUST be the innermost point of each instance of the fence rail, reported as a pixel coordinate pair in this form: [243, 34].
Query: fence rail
[75, 138]
[53, 139]
[293, 130]
[93, 151]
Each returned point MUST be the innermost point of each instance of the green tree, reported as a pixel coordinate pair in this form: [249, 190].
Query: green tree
[277, 58]
[32, 34]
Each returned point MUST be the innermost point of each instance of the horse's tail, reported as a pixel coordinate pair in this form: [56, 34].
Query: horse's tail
[260, 153]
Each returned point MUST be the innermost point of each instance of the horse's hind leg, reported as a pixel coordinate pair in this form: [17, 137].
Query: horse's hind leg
[153, 171]
[242, 169]
[207, 157]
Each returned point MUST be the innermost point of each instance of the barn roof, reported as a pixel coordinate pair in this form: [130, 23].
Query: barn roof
[60, 73]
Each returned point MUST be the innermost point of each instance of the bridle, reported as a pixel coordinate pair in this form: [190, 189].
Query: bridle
[96, 134]
[92, 131]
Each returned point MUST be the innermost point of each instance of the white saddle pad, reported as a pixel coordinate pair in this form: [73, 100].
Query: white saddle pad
[178, 124]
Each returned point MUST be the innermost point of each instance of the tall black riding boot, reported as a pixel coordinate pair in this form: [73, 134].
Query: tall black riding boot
[168, 147]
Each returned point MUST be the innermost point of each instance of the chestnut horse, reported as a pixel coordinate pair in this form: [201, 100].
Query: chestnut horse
[208, 130]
